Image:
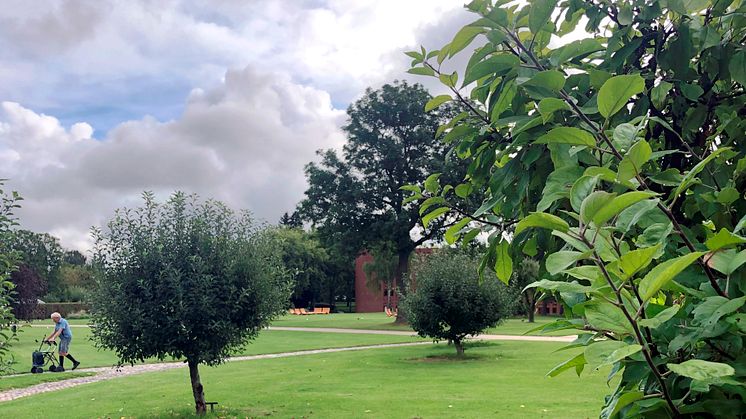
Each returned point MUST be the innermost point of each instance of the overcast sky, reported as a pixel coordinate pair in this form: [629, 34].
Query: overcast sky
[226, 98]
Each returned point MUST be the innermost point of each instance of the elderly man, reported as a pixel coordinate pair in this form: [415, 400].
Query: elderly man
[62, 329]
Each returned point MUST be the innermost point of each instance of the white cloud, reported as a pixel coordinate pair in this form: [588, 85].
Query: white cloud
[244, 142]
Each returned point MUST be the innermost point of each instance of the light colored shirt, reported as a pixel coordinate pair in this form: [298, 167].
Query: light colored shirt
[66, 332]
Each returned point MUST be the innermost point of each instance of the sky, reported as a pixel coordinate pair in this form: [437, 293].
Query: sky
[229, 99]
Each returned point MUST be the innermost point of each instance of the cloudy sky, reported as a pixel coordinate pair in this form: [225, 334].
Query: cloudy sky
[226, 98]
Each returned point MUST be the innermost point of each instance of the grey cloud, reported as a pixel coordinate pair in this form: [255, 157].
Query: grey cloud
[244, 142]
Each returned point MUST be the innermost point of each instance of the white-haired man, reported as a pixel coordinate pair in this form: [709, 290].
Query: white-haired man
[62, 330]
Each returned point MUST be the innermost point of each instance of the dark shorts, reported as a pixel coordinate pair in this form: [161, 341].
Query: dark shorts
[64, 345]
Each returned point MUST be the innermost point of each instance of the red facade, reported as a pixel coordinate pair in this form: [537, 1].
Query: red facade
[368, 300]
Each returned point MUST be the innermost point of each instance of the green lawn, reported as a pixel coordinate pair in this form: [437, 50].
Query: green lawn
[269, 341]
[503, 379]
[27, 380]
[379, 321]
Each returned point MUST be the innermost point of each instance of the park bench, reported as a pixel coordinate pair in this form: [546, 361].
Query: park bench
[212, 405]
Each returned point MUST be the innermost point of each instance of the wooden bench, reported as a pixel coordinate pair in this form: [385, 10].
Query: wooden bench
[212, 405]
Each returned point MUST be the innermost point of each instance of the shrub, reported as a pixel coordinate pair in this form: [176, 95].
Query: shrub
[449, 302]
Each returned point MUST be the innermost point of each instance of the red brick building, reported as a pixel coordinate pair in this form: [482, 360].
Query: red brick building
[368, 300]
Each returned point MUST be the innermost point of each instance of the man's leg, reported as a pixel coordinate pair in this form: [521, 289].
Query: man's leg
[75, 361]
[63, 348]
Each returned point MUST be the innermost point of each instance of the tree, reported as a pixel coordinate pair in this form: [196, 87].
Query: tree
[356, 200]
[637, 133]
[291, 220]
[450, 302]
[8, 263]
[307, 262]
[42, 253]
[382, 270]
[526, 274]
[28, 286]
[74, 257]
[184, 279]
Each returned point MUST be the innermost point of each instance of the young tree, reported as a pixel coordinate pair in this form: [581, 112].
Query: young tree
[450, 302]
[8, 263]
[526, 274]
[636, 132]
[184, 279]
[356, 199]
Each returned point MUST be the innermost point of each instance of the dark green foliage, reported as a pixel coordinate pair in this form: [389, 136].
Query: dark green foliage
[449, 302]
[28, 286]
[8, 263]
[185, 279]
[526, 274]
[310, 266]
[42, 253]
[619, 160]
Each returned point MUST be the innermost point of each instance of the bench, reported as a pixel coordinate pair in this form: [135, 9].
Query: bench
[212, 405]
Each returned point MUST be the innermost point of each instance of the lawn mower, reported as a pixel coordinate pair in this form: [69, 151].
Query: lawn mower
[42, 358]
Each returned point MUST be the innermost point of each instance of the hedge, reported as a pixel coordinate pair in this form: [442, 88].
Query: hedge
[43, 311]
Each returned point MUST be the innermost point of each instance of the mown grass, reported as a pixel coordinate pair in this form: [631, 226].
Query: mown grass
[503, 379]
[269, 341]
[379, 321]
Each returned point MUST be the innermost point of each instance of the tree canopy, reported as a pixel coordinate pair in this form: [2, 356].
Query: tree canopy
[184, 279]
[610, 136]
[448, 301]
[355, 200]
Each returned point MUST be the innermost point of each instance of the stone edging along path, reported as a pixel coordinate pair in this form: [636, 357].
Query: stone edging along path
[108, 373]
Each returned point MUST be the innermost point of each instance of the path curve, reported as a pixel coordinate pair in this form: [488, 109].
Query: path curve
[107, 373]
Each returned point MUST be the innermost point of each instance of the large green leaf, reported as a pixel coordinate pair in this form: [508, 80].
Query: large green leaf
[660, 318]
[427, 219]
[637, 260]
[619, 203]
[495, 64]
[540, 13]
[603, 315]
[699, 369]
[451, 235]
[542, 220]
[551, 80]
[726, 261]
[549, 105]
[636, 157]
[607, 352]
[503, 262]
[463, 38]
[664, 273]
[568, 135]
[593, 203]
[437, 101]
[617, 90]
[724, 239]
[560, 286]
[581, 189]
[575, 362]
[575, 49]
[689, 177]
[559, 261]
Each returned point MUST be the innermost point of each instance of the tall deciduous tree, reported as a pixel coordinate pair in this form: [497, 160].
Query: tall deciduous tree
[636, 133]
[42, 253]
[356, 199]
[185, 279]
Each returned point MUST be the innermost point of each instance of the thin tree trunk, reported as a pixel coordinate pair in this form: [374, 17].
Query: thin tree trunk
[401, 278]
[530, 305]
[459, 347]
[197, 389]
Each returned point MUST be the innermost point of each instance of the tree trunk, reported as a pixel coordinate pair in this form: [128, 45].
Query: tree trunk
[401, 278]
[197, 389]
[459, 347]
[530, 305]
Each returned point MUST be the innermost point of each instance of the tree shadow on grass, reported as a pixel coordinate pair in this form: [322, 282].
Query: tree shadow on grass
[467, 357]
